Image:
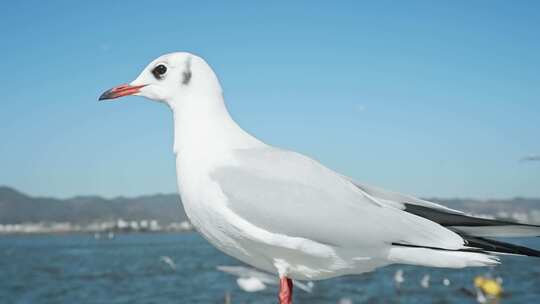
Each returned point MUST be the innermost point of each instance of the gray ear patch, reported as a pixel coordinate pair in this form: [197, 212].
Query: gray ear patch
[186, 74]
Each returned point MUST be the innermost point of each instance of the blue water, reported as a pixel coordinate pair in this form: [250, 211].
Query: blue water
[128, 269]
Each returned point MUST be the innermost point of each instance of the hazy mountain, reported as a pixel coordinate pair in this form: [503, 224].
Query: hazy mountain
[492, 206]
[17, 207]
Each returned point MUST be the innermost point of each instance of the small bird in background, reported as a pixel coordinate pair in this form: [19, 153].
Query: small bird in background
[252, 280]
[531, 158]
[398, 280]
[345, 301]
[446, 282]
[286, 213]
[168, 261]
[425, 281]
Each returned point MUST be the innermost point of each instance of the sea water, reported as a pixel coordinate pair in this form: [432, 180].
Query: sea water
[181, 268]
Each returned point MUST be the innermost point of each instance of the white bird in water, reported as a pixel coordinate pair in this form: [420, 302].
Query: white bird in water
[398, 279]
[167, 260]
[446, 282]
[425, 281]
[345, 301]
[287, 214]
[252, 280]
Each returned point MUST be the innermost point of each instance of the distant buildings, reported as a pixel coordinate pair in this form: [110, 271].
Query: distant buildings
[121, 225]
[118, 226]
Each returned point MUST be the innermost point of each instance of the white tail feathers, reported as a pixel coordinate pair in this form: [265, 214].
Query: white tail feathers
[440, 258]
[500, 231]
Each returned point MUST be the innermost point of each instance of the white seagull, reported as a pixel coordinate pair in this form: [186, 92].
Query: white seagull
[287, 214]
[252, 280]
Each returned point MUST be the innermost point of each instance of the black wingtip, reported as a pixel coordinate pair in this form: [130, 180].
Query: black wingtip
[494, 246]
[106, 95]
[449, 219]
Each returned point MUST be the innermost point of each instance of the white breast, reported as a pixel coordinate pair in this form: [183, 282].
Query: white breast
[206, 207]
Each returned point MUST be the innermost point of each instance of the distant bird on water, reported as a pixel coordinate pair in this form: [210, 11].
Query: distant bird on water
[398, 279]
[287, 214]
[252, 280]
[167, 260]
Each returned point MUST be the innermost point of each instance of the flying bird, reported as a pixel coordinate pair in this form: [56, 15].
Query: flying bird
[530, 158]
[287, 214]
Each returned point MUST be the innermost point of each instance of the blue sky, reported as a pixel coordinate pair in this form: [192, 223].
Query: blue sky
[433, 99]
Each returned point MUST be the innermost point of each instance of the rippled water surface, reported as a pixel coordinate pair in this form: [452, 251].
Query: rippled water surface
[130, 269]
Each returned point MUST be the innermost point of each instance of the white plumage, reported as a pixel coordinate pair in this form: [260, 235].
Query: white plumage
[285, 213]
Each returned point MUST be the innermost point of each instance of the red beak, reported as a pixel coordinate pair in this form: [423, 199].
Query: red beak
[121, 90]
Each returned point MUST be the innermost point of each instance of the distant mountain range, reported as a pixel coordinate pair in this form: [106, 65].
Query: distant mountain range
[17, 207]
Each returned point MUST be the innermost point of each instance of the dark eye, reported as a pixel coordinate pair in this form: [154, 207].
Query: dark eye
[159, 71]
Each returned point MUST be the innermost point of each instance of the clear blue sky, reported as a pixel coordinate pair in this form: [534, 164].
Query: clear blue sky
[433, 98]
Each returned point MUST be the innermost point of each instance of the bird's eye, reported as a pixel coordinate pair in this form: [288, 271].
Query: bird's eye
[159, 71]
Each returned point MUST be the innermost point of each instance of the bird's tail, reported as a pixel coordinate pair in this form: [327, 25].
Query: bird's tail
[474, 231]
[434, 257]
[478, 251]
[498, 247]
[474, 226]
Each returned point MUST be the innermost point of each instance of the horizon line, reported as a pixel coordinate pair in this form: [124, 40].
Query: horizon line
[430, 198]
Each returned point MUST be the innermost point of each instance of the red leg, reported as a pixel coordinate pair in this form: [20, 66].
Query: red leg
[285, 290]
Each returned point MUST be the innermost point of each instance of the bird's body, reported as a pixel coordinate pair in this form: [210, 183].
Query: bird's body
[208, 207]
[281, 211]
[285, 213]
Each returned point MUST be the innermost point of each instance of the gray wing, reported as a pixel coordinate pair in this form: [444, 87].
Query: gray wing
[287, 193]
[464, 224]
[399, 200]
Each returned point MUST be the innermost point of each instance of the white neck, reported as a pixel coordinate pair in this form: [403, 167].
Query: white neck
[203, 126]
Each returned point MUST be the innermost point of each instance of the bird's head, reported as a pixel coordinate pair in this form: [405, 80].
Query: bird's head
[170, 78]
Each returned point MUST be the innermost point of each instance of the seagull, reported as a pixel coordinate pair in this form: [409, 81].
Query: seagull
[398, 279]
[446, 282]
[286, 213]
[424, 282]
[252, 280]
[167, 260]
